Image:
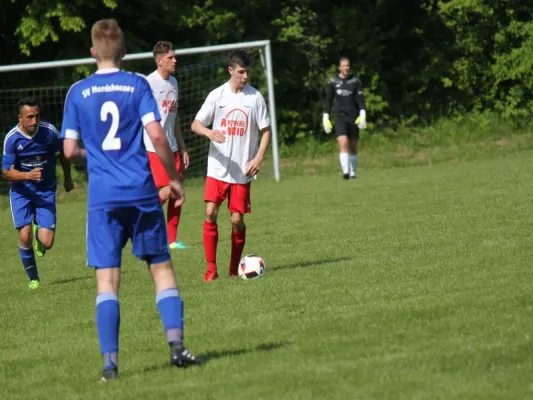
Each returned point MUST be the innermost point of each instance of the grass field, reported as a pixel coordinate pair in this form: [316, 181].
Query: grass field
[408, 283]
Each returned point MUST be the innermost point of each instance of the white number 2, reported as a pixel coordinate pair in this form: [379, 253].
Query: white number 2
[111, 142]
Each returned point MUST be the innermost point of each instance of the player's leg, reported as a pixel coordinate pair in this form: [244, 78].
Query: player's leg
[215, 193]
[45, 223]
[174, 213]
[353, 141]
[341, 131]
[149, 241]
[106, 237]
[238, 204]
[22, 210]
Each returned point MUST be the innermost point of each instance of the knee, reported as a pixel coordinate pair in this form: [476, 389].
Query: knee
[47, 241]
[237, 222]
[211, 213]
[25, 238]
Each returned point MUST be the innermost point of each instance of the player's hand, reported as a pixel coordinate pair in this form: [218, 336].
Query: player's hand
[361, 120]
[186, 159]
[164, 193]
[326, 123]
[176, 192]
[217, 136]
[68, 185]
[35, 174]
[253, 167]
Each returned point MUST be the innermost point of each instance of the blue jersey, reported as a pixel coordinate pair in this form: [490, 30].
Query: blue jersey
[108, 112]
[24, 153]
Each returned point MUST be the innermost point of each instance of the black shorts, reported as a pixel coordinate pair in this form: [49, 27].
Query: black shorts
[346, 127]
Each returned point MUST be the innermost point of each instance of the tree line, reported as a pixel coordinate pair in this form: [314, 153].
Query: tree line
[418, 60]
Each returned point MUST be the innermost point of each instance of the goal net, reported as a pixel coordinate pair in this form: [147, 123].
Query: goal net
[199, 71]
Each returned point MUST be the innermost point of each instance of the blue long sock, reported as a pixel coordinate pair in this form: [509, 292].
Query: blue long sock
[28, 261]
[170, 308]
[108, 325]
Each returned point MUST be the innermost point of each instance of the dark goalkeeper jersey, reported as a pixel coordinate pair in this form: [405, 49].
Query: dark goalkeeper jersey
[348, 94]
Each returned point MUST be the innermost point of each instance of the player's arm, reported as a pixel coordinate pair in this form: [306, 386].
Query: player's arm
[8, 165]
[255, 165]
[181, 143]
[205, 118]
[57, 144]
[263, 123]
[328, 103]
[360, 100]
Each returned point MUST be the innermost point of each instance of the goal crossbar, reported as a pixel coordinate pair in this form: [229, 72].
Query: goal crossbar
[266, 59]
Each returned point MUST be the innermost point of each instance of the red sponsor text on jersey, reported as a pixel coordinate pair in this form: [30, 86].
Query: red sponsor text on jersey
[235, 122]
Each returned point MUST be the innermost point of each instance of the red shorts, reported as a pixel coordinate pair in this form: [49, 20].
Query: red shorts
[238, 195]
[158, 169]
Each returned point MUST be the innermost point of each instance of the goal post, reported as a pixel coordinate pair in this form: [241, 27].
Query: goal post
[199, 70]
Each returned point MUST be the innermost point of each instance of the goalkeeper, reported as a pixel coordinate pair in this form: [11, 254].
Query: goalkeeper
[350, 115]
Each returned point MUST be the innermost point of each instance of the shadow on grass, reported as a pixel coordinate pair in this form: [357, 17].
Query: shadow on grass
[214, 355]
[316, 263]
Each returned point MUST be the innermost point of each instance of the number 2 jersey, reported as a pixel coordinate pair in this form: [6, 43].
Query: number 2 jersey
[108, 112]
[240, 116]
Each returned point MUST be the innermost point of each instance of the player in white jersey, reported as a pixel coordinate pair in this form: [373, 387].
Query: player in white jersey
[165, 90]
[236, 113]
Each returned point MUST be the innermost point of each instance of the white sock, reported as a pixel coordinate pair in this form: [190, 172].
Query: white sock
[344, 159]
[353, 164]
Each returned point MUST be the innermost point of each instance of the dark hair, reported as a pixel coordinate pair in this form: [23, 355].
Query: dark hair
[240, 58]
[343, 58]
[162, 47]
[27, 101]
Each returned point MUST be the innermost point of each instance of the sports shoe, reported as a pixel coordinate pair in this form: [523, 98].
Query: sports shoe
[32, 285]
[109, 374]
[353, 176]
[180, 356]
[37, 246]
[346, 176]
[178, 245]
[210, 275]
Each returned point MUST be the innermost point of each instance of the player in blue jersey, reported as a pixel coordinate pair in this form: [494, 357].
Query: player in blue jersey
[108, 111]
[29, 162]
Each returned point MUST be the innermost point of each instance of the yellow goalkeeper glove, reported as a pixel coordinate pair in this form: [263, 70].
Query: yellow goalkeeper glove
[361, 120]
[326, 123]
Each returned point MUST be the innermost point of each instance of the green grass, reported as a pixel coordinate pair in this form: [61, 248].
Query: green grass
[408, 283]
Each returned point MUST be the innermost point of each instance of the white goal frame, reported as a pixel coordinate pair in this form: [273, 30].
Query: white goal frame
[266, 60]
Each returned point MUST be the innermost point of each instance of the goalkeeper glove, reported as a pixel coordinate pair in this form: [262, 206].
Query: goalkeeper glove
[361, 120]
[326, 123]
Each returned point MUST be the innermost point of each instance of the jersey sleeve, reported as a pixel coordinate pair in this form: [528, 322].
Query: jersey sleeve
[328, 101]
[148, 111]
[263, 120]
[206, 115]
[70, 128]
[9, 156]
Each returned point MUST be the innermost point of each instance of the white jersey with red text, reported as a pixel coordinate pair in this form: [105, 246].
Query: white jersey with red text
[166, 96]
[240, 116]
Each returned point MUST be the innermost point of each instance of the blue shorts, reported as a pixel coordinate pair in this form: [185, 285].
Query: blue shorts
[108, 231]
[26, 207]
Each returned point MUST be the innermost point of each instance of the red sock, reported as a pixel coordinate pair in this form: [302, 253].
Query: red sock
[173, 220]
[238, 239]
[210, 244]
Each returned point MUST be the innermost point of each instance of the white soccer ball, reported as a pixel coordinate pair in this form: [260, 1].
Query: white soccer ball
[251, 267]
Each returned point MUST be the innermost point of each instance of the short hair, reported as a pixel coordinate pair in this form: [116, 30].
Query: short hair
[343, 58]
[27, 101]
[108, 40]
[240, 58]
[162, 47]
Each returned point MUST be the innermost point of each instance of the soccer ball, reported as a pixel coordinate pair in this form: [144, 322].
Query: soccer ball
[251, 267]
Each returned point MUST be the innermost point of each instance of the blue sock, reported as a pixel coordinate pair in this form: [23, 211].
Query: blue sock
[171, 311]
[108, 324]
[28, 260]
